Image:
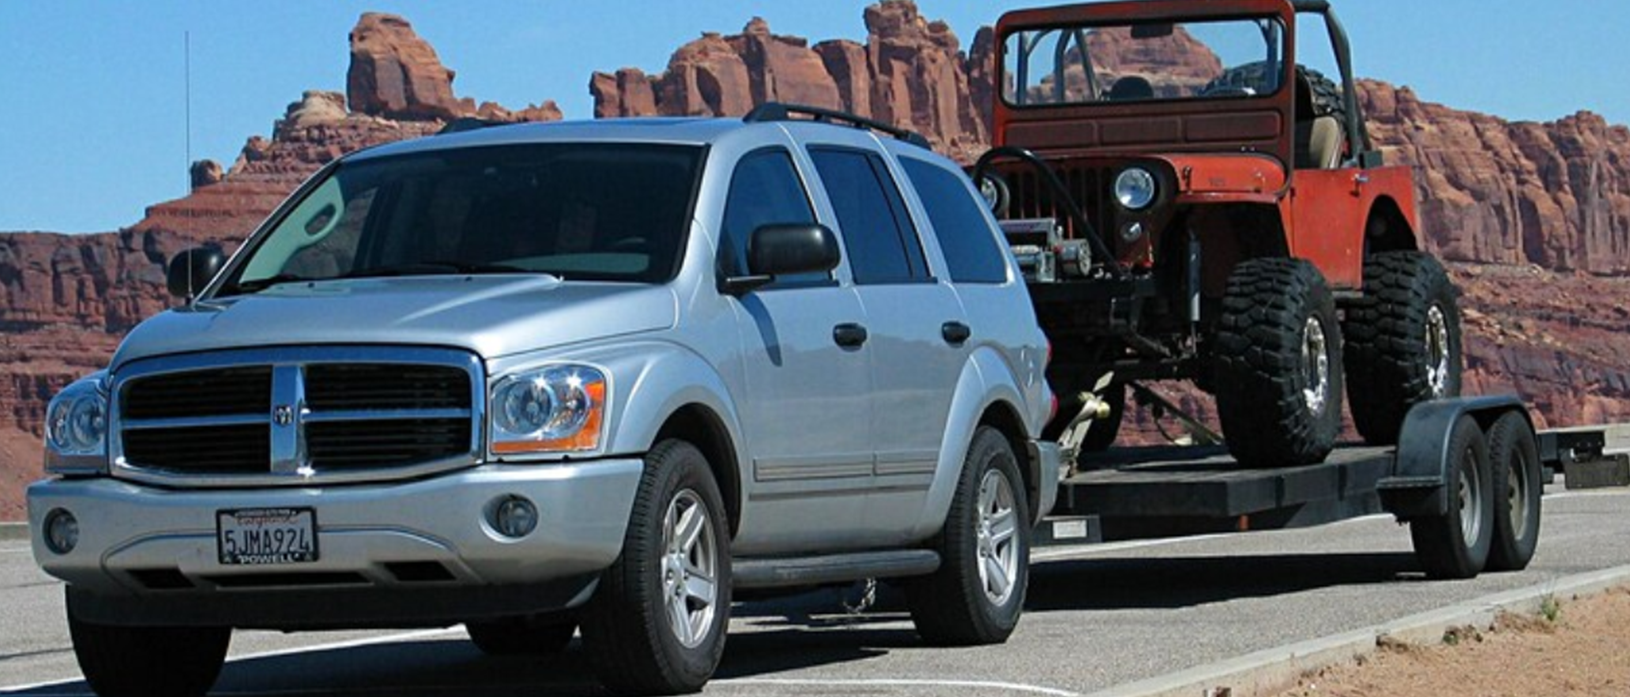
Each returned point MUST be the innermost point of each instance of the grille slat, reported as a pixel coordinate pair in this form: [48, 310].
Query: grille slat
[419, 399]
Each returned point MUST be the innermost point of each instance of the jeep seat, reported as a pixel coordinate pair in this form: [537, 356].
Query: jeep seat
[1318, 143]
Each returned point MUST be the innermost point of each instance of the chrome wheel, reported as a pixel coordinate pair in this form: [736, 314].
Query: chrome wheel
[998, 539]
[1315, 366]
[690, 566]
[1471, 499]
[1437, 352]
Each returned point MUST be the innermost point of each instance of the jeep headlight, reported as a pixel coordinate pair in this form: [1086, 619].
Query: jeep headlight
[552, 410]
[76, 426]
[1136, 188]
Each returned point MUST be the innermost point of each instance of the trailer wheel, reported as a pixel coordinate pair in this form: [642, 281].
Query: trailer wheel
[1514, 460]
[658, 619]
[1403, 342]
[1456, 545]
[1278, 372]
[139, 661]
[520, 637]
[978, 592]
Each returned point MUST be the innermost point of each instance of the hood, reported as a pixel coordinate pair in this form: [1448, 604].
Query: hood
[492, 316]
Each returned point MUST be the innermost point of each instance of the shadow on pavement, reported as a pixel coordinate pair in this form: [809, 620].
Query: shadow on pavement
[1156, 583]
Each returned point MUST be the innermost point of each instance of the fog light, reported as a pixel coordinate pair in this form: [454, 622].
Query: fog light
[61, 531]
[1132, 232]
[513, 516]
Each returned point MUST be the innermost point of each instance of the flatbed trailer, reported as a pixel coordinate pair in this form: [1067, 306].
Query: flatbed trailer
[1454, 455]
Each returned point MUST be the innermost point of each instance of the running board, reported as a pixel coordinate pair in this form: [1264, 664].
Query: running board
[835, 568]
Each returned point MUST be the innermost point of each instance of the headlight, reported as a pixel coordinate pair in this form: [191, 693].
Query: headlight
[76, 424]
[557, 409]
[1136, 188]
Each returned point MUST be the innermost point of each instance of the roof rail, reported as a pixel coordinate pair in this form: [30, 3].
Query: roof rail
[468, 123]
[777, 111]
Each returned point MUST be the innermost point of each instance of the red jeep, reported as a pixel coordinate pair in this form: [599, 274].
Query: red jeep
[1190, 203]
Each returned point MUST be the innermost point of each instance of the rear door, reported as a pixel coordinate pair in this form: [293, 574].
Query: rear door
[919, 335]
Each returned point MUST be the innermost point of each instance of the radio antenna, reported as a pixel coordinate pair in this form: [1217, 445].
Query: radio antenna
[186, 62]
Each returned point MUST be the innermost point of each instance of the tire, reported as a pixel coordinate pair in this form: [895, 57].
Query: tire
[1103, 432]
[520, 636]
[1327, 96]
[1403, 342]
[629, 630]
[966, 601]
[143, 661]
[1456, 545]
[1278, 374]
[1514, 462]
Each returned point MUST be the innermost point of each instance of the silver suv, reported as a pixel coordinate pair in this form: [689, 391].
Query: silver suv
[546, 378]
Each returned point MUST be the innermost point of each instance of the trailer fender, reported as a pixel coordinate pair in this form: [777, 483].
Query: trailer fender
[1416, 488]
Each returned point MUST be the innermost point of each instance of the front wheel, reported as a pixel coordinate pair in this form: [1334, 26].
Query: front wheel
[1456, 545]
[657, 621]
[141, 661]
[1278, 364]
[978, 592]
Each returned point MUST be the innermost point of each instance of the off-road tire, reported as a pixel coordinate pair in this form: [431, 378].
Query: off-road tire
[1103, 432]
[627, 630]
[1328, 99]
[1514, 460]
[950, 607]
[145, 661]
[1442, 544]
[1268, 313]
[1388, 343]
[520, 636]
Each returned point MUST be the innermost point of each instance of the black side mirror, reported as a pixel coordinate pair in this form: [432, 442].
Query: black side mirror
[190, 271]
[781, 250]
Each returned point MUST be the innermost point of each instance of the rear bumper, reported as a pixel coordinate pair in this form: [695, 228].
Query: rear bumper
[1050, 471]
[397, 554]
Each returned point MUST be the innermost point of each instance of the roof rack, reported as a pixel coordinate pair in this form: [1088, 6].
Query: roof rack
[468, 123]
[777, 111]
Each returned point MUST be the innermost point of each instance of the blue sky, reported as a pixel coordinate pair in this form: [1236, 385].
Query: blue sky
[92, 130]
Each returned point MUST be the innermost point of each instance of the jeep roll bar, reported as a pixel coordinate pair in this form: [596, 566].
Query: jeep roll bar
[1356, 133]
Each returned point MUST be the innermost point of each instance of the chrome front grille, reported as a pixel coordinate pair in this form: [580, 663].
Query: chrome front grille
[297, 415]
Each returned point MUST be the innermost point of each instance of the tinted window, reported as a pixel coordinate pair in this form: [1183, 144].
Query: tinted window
[764, 190]
[876, 229]
[557, 209]
[971, 251]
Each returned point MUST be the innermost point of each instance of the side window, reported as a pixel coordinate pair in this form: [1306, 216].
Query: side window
[877, 229]
[764, 190]
[971, 252]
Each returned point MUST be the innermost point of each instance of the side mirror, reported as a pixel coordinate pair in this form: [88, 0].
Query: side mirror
[190, 271]
[781, 250]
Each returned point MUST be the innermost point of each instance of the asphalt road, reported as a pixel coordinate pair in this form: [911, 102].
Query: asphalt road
[1097, 617]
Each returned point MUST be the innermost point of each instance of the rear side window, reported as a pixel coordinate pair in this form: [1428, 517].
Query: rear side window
[971, 252]
[764, 190]
[877, 230]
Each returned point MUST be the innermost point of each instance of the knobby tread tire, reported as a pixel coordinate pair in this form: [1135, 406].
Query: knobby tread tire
[624, 626]
[1386, 334]
[146, 661]
[1511, 441]
[1259, 373]
[949, 607]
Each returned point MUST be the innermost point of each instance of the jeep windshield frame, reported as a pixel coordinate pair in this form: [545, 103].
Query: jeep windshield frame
[557, 209]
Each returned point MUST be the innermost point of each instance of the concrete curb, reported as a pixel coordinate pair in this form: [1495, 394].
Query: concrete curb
[13, 531]
[1278, 668]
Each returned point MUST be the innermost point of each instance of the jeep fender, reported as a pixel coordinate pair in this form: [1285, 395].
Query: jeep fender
[985, 381]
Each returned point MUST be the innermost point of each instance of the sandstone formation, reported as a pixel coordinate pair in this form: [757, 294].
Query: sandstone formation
[1536, 216]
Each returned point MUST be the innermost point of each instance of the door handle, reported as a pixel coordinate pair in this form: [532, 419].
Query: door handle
[955, 333]
[849, 335]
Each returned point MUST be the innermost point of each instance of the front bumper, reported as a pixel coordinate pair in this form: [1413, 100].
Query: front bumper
[148, 554]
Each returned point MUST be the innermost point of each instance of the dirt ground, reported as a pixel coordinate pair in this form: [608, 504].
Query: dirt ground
[1585, 651]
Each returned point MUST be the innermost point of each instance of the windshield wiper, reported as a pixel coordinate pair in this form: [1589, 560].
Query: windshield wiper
[260, 284]
[433, 268]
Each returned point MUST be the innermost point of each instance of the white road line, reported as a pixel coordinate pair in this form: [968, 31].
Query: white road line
[332, 646]
[886, 682]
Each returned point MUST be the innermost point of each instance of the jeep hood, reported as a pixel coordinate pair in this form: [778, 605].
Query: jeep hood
[493, 316]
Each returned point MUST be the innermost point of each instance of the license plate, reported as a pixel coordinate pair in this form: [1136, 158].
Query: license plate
[258, 536]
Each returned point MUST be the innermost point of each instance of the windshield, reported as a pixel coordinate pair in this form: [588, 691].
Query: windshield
[605, 212]
[1143, 62]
